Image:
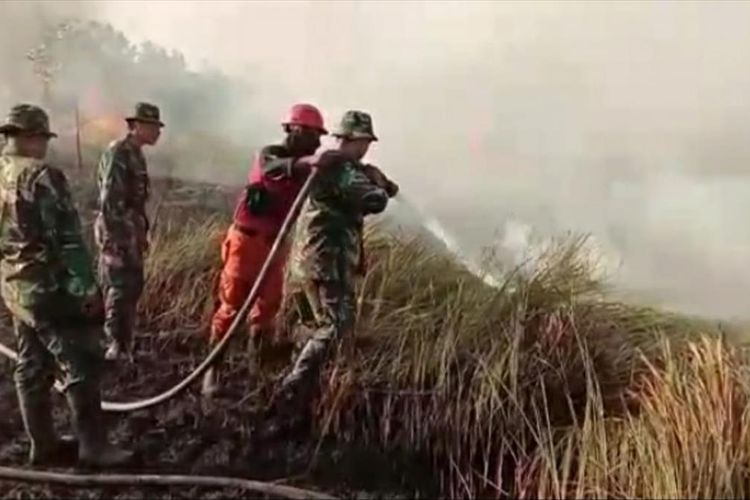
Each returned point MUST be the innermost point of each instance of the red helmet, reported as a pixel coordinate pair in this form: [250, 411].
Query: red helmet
[306, 115]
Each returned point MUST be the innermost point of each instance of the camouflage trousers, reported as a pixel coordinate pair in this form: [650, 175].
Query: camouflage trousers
[122, 283]
[332, 304]
[72, 353]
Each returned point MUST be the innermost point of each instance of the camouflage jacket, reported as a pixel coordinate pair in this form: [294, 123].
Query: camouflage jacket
[46, 270]
[122, 177]
[328, 239]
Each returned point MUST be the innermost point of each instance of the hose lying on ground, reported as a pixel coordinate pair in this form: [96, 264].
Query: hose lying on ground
[117, 407]
[100, 480]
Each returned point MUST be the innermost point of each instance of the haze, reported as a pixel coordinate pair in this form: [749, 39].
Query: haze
[627, 120]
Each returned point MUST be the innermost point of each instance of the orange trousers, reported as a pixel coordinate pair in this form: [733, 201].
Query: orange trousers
[243, 257]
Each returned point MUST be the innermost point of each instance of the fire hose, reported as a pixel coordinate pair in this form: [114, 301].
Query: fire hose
[104, 480]
[120, 407]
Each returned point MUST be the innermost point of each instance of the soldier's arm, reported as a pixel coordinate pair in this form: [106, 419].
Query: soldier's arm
[277, 166]
[62, 226]
[359, 192]
[379, 178]
[113, 197]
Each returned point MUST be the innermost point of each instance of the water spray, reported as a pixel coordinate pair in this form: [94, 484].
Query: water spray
[433, 225]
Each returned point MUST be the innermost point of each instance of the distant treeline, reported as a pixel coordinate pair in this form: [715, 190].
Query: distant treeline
[92, 66]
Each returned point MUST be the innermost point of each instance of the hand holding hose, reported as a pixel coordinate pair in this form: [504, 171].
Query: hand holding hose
[379, 179]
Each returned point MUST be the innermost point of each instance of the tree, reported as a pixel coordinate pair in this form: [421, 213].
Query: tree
[44, 63]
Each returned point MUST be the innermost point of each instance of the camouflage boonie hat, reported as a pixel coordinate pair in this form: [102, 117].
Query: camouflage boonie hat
[355, 125]
[28, 119]
[147, 113]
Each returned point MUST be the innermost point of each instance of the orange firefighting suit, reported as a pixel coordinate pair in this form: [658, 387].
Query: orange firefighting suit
[259, 215]
[243, 256]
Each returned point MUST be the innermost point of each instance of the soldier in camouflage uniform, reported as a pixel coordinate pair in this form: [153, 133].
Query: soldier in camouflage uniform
[49, 287]
[122, 225]
[327, 251]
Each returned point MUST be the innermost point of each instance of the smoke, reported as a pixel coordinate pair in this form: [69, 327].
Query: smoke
[69, 58]
[626, 120]
[21, 27]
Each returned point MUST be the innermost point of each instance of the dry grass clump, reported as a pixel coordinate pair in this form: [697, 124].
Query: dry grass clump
[527, 389]
[542, 387]
[181, 273]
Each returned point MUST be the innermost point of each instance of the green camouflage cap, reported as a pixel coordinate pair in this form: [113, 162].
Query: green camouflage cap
[147, 113]
[28, 119]
[355, 125]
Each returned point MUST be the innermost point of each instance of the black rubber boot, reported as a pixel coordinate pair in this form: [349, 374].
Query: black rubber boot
[46, 448]
[210, 385]
[94, 450]
[117, 351]
[254, 352]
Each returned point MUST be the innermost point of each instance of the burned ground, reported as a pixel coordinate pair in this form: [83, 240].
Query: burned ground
[186, 436]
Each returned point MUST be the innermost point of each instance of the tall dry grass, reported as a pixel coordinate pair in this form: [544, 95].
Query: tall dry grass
[542, 388]
[181, 273]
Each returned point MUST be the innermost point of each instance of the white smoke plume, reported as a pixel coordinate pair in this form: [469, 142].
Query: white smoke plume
[627, 120]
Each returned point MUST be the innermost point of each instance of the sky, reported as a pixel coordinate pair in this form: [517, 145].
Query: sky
[626, 120]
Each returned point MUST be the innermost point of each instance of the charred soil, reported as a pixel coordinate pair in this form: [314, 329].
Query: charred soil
[190, 436]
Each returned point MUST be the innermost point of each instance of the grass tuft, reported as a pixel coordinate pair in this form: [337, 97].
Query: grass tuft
[542, 387]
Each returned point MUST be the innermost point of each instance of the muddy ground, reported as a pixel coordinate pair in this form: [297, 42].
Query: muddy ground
[187, 436]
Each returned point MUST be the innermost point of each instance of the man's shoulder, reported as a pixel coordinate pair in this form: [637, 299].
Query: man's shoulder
[27, 174]
[120, 149]
[117, 144]
[119, 155]
[53, 178]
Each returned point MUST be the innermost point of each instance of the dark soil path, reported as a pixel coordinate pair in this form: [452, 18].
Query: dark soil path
[185, 436]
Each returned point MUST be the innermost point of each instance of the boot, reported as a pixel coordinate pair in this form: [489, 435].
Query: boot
[254, 346]
[119, 330]
[210, 385]
[301, 333]
[94, 450]
[117, 351]
[46, 448]
[113, 352]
